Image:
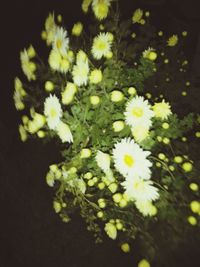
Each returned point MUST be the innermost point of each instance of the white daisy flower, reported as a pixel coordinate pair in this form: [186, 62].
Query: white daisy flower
[138, 111]
[80, 73]
[130, 159]
[52, 111]
[61, 42]
[64, 132]
[101, 45]
[103, 161]
[140, 190]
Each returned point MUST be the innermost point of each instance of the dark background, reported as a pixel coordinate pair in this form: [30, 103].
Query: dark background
[31, 234]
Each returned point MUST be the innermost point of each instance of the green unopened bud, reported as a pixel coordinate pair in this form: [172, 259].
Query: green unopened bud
[125, 247]
[195, 206]
[117, 197]
[94, 100]
[123, 203]
[117, 96]
[178, 159]
[49, 86]
[165, 125]
[192, 220]
[41, 134]
[144, 263]
[101, 186]
[118, 126]
[187, 166]
[113, 187]
[132, 91]
[57, 206]
[101, 203]
[194, 187]
[85, 153]
[100, 214]
[90, 183]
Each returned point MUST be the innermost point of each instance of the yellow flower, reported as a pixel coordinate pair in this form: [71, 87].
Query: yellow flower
[101, 45]
[96, 76]
[111, 230]
[69, 92]
[144, 263]
[52, 111]
[125, 247]
[77, 29]
[173, 40]
[55, 59]
[31, 51]
[162, 110]
[101, 8]
[85, 5]
[137, 16]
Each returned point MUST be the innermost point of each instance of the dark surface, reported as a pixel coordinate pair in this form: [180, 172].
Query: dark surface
[30, 232]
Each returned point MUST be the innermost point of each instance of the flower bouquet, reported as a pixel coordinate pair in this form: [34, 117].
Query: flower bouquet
[101, 95]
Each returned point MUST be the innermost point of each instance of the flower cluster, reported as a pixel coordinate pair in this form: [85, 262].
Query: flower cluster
[124, 164]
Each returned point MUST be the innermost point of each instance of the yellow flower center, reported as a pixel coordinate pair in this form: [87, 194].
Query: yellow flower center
[137, 112]
[101, 45]
[53, 113]
[129, 161]
[59, 43]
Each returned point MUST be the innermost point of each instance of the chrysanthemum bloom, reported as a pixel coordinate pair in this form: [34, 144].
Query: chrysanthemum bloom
[138, 111]
[69, 92]
[55, 59]
[61, 42]
[103, 161]
[140, 132]
[101, 45]
[111, 230]
[101, 8]
[146, 208]
[77, 29]
[130, 159]
[52, 111]
[140, 190]
[96, 76]
[64, 132]
[80, 73]
[28, 66]
[162, 110]
[173, 40]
